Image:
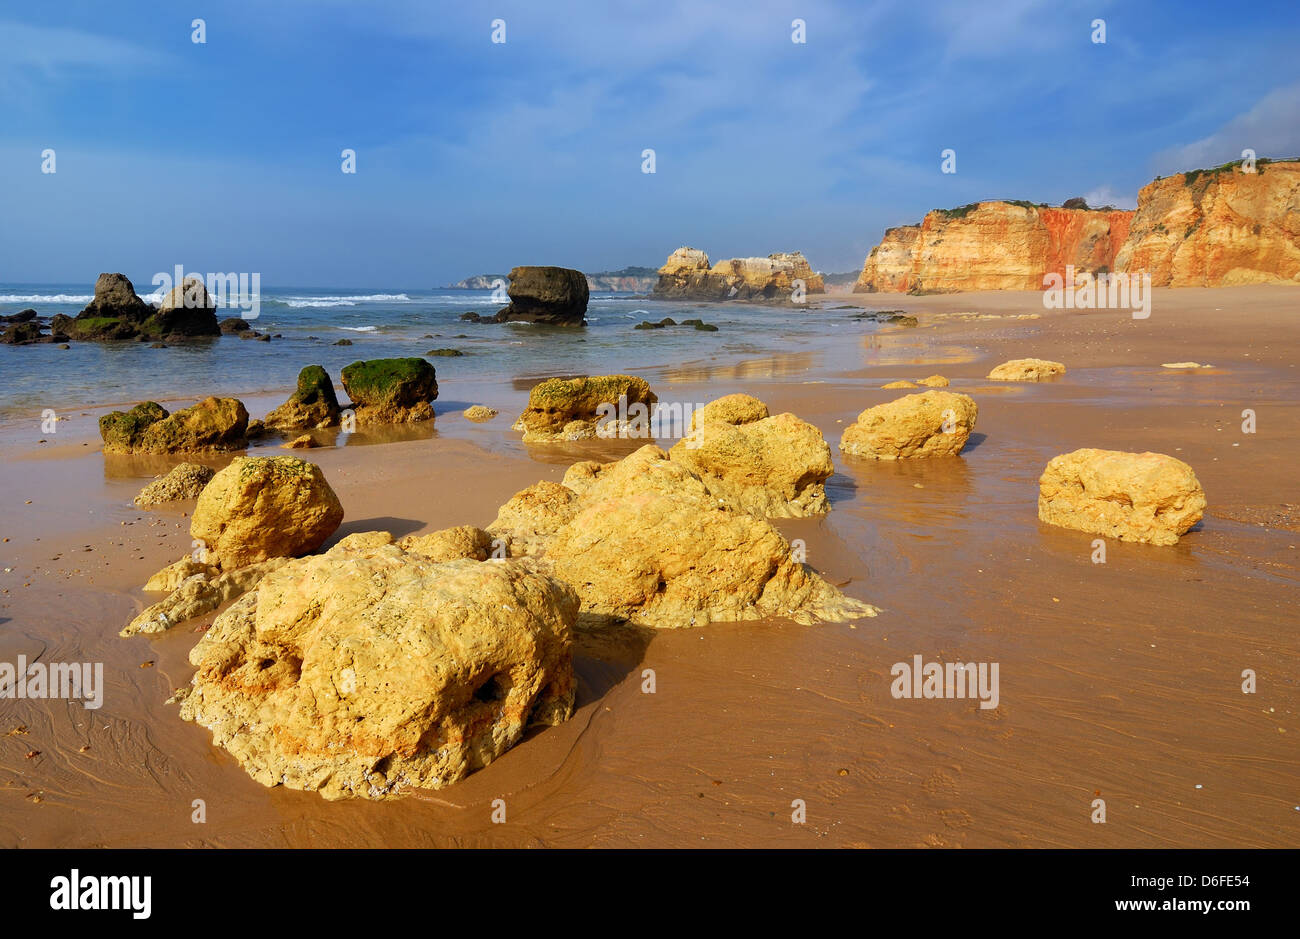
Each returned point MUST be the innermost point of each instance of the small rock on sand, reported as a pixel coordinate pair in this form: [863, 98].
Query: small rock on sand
[479, 413]
[1027, 370]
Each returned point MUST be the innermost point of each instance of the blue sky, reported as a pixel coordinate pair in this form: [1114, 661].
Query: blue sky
[474, 156]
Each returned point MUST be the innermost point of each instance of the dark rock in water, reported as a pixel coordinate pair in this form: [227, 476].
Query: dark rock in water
[263, 337]
[444, 352]
[706, 327]
[427, 336]
[460, 336]
[234, 324]
[248, 334]
[64, 345]
[896, 317]
[313, 404]
[21, 333]
[117, 313]
[115, 298]
[646, 324]
[343, 342]
[692, 322]
[668, 321]
[187, 310]
[22, 316]
[473, 317]
[391, 391]
[553, 296]
[56, 336]
[158, 345]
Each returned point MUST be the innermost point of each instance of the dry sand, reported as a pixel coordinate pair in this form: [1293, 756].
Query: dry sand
[1120, 681]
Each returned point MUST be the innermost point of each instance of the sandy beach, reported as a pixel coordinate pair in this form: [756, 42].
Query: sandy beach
[1120, 680]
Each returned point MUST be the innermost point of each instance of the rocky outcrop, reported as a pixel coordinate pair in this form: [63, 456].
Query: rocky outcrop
[1146, 497]
[391, 391]
[312, 405]
[1218, 227]
[212, 425]
[551, 296]
[185, 481]
[570, 408]
[1027, 370]
[264, 507]
[774, 466]
[993, 246]
[687, 274]
[930, 424]
[369, 671]
[116, 312]
[643, 540]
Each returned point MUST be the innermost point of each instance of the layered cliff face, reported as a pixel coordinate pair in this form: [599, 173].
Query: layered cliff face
[1220, 227]
[993, 246]
[687, 274]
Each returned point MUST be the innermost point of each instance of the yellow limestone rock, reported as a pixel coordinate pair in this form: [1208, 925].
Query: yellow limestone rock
[933, 381]
[1147, 497]
[479, 413]
[895, 385]
[643, 540]
[775, 467]
[932, 423]
[196, 595]
[368, 671]
[1027, 370]
[264, 507]
[730, 409]
[463, 541]
[570, 408]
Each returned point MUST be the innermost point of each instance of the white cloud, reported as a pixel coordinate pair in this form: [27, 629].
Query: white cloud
[1271, 128]
[1106, 195]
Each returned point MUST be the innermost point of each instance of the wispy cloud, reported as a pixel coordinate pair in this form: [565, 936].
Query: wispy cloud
[1271, 128]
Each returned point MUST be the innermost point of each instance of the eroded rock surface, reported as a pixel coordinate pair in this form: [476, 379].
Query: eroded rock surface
[1147, 497]
[930, 424]
[368, 671]
[265, 507]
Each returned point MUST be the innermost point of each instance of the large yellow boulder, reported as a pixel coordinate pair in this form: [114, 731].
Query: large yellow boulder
[369, 671]
[932, 423]
[776, 466]
[1148, 497]
[265, 507]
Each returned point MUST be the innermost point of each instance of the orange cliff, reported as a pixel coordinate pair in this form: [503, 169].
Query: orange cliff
[1219, 227]
[1204, 228]
[993, 246]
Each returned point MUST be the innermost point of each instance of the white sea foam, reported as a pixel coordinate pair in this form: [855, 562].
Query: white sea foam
[47, 298]
[359, 329]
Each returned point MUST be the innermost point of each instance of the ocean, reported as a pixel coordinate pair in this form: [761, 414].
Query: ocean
[384, 322]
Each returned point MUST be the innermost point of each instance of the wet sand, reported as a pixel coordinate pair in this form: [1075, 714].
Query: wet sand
[1119, 681]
